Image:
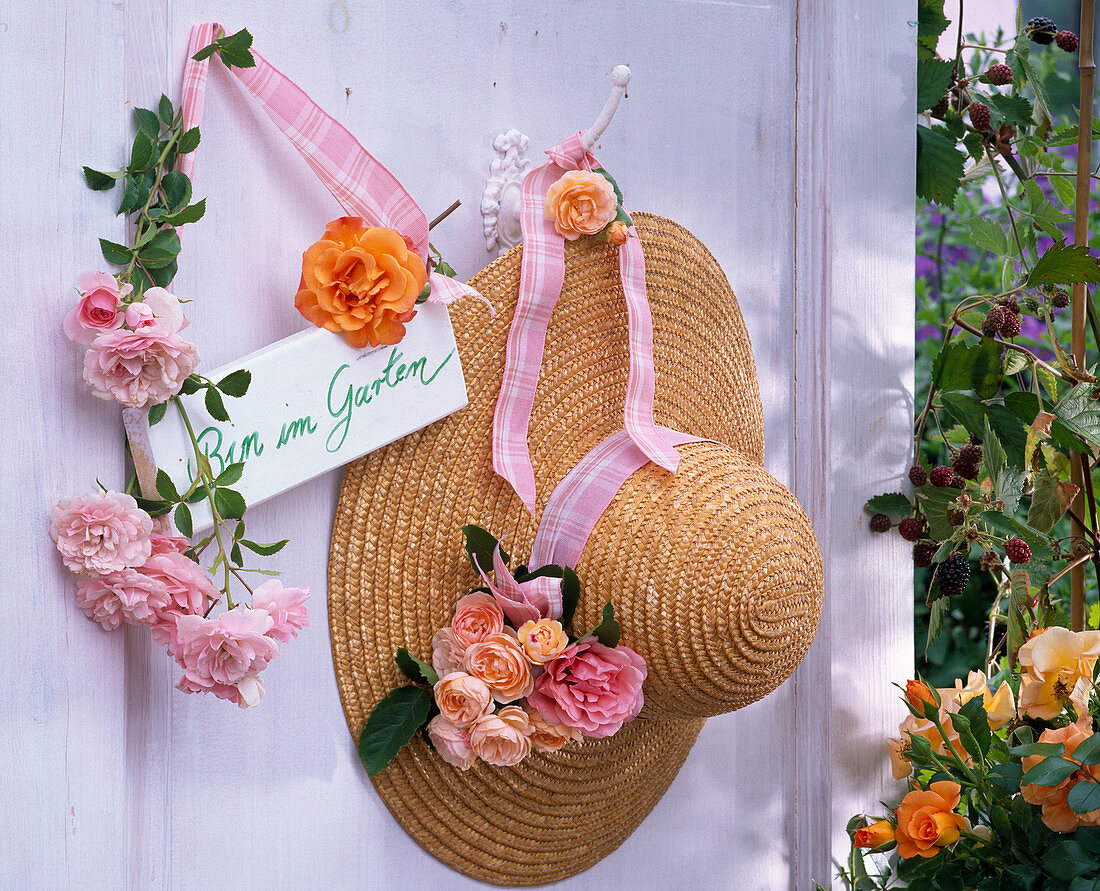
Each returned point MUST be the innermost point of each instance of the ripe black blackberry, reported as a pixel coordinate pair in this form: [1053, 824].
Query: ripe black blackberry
[880, 523]
[1067, 41]
[1059, 298]
[1011, 325]
[923, 552]
[999, 75]
[974, 440]
[957, 482]
[994, 319]
[918, 476]
[967, 461]
[912, 528]
[941, 476]
[1017, 550]
[1040, 29]
[939, 110]
[979, 116]
[953, 574]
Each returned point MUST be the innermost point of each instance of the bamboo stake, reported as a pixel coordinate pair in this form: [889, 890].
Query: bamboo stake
[1087, 67]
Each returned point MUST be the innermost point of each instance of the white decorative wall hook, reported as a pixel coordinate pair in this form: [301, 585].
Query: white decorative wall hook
[500, 202]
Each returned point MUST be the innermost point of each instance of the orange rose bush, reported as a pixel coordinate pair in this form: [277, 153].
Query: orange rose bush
[1003, 784]
[508, 676]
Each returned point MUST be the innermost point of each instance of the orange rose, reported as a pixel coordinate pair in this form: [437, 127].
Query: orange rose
[617, 233]
[918, 692]
[361, 280]
[542, 640]
[502, 739]
[461, 698]
[547, 737]
[580, 203]
[476, 617]
[1057, 813]
[873, 836]
[927, 822]
[499, 662]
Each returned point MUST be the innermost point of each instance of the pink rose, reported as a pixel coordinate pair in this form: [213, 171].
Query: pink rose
[499, 662]
[159, 310]
[462, 698]
[451, 742]
[502, 739]
[190, 592]
[286, 607]
[224, 650]
[594, 688]
[447, 655]
[547, 737]
[98, 309]
[476, 617]
[165, 538]
[529, 601]
[101, 533]
[246, 693]
[125, 595]
[138, 368]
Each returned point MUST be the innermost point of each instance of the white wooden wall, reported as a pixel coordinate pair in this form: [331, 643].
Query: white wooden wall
[781, 133]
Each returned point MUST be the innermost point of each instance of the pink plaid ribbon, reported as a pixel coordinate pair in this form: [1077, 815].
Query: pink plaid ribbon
[362, 186]
[541, 277]
[579, 500]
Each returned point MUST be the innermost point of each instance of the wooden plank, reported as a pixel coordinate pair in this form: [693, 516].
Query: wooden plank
[62, 686]
[853, 392]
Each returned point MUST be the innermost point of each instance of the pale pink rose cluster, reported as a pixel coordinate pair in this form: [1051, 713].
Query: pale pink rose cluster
[134, 571]
[510, 682]
[136, 355]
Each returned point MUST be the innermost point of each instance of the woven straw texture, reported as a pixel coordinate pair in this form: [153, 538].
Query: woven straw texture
[714, 571]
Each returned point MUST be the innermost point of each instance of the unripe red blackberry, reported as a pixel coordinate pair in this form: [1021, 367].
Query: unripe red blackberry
[880, 523]
[1040, 29]
[912, 528]
[1009, 303]
[918, 476]
[999, 75]
[971, 453]
[953, 574]
[1011, 325]
[958, 482]
[1017, 550]
[979, 116]
[994, 319]
[923, 552]
[939, 110]
[974, 440]
[1059, 298]
[941, 476]
[1066, 40]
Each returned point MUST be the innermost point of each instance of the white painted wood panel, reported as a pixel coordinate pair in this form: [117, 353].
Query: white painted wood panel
[808, 211]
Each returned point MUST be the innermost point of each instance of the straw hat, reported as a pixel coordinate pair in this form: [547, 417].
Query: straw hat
[714, 571]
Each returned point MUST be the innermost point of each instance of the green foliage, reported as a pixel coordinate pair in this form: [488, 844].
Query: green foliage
[391, 725]
[939, 165]
[232, 49]
[893, 504]
[609, 630]
[480, 547]
[416, 670]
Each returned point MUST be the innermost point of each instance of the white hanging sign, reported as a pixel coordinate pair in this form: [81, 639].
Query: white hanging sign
[315, 403]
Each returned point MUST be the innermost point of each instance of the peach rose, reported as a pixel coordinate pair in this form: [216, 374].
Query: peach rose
[1057, 814]
[927, 821]
[899, 758]
[542, 640]
[447, 655]
[617, 233]
[361, 281]
[875, 835]
[1057, 668]
[502, 739]
[452, 742]
[476, 617]
[580, 203]
[547, 737]
[462, 698]
[499, 662]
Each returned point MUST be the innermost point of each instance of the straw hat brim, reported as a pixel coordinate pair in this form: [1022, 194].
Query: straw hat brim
[398, 566]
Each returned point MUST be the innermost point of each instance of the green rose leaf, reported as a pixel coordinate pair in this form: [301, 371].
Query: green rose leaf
[480, 546]
[1067, 860]
[236, 383]
[229, 503]
[177, 189]
[609, 630]
[156, 413]
[214, 405]
[165, 109]
[152, 506]
[166, 488]
[191, 384]
[118, 254]
[978, 732]
[192, 213]
[416, 670]
[391, 725]
[161, 250]
[1050, 771]
[98, 181]
[1088, 752]
[189, 141]
[147, 121]
[183, 521]
[265, 550]
[142, 154]
[230, 475]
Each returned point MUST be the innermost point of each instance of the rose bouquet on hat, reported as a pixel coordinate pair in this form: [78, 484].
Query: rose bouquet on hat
[509, 675]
